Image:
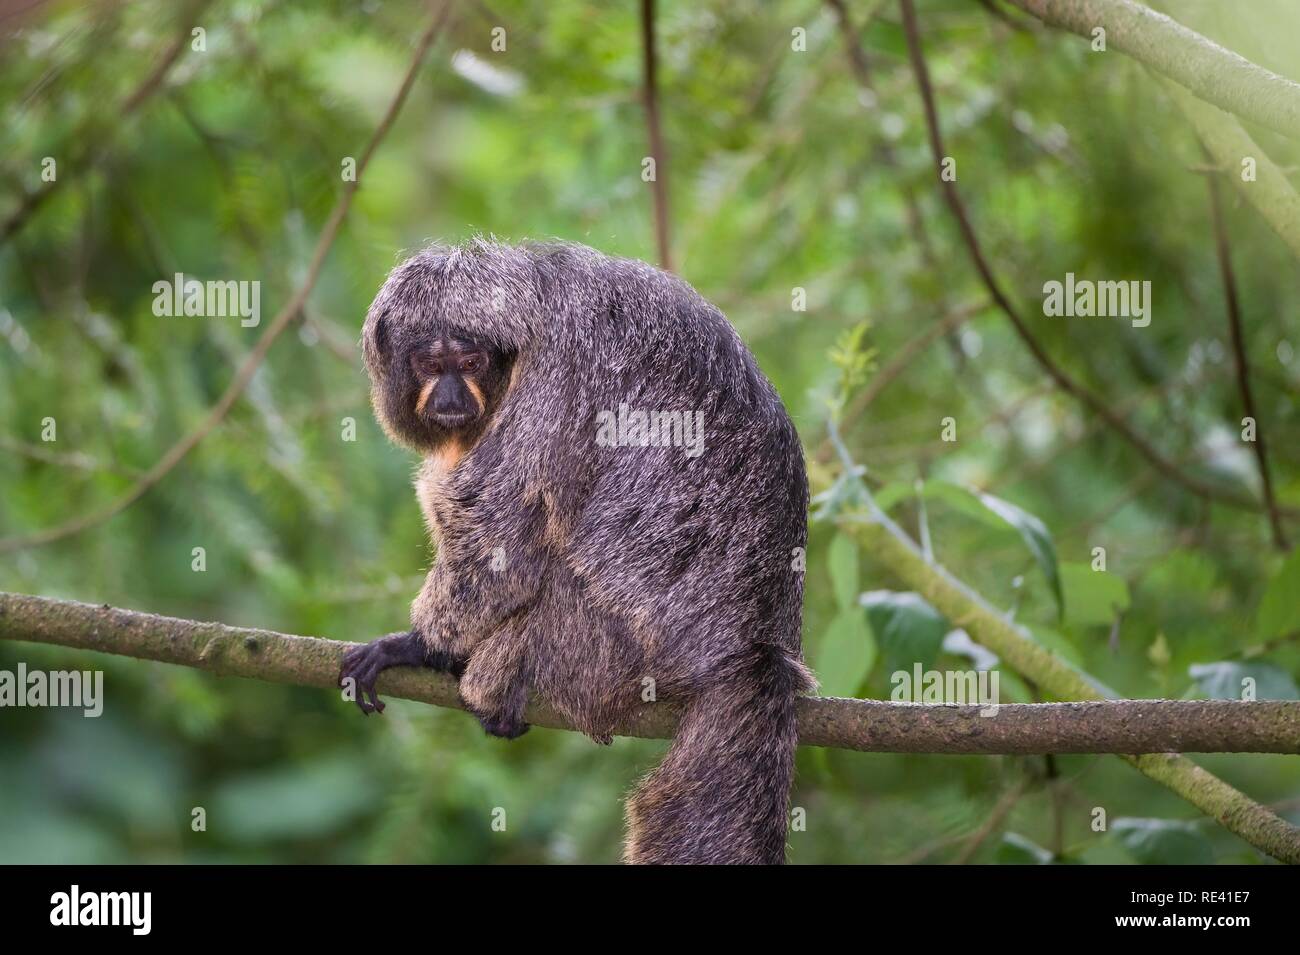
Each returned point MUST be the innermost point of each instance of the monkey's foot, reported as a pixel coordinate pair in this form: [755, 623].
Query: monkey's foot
[362, 665]
[504, 725]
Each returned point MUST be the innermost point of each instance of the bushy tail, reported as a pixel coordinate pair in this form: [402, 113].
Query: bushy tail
[722, 793]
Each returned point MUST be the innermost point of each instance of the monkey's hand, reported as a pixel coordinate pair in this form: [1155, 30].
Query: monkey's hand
[362, 665]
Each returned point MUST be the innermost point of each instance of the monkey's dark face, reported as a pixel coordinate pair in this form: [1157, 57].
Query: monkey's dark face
[443, 388]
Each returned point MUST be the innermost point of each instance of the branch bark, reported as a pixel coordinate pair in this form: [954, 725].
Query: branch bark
[1214, 73]
[1110, 726]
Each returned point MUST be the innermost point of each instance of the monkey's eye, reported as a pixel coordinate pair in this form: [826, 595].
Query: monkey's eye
[472, 363]
[425, 364]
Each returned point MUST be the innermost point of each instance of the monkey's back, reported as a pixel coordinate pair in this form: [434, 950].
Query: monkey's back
[695, 551]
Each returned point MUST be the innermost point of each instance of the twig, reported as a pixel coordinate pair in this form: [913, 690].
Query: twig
[1000, 811]
[177, 452]
[659, 186]
[1239, 355]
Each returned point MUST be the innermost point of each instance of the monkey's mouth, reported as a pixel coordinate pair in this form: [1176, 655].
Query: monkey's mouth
[452, 421]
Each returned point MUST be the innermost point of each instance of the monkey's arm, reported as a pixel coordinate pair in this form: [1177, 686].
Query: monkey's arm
[362, 665]
[491, 553]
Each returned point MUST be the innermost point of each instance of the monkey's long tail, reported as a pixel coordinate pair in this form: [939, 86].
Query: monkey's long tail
[722, 793]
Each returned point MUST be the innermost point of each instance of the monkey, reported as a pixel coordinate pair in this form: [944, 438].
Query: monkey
[584, 558]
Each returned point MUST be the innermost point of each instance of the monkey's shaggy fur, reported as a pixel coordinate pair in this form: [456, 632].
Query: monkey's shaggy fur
[614, 566]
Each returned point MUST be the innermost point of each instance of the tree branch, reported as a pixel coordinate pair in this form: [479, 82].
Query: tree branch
[1110, 726]
[1270, 192]
[1239, 355]
[177, 452]
[1214, 73]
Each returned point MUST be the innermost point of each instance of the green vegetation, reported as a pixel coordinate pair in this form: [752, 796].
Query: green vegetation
[786, 170]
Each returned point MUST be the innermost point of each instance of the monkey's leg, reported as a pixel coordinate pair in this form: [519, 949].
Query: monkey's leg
[362, 665]
[495, 685]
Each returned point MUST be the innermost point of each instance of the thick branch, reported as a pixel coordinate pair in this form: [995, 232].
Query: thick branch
[1269, 191]
[1212, 72]
[1112, 726]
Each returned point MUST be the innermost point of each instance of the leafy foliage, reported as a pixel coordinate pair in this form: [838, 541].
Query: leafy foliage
[784, 172]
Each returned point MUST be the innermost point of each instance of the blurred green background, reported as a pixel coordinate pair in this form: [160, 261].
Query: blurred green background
[784, 172]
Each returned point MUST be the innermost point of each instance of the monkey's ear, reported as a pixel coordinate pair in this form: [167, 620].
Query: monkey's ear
[375, 344]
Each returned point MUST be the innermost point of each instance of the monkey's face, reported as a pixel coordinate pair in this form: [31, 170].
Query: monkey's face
[445, 387]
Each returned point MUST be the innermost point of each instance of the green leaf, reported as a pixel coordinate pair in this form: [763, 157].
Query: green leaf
[906, 627]
[842, 562]
[845, 655]
[1036, 537]
[893, 492]
[1223, 680]
[1279, 608]
[963, 499]
[988, 509]
[846, 494]
[1163, 842]
[1092, 597]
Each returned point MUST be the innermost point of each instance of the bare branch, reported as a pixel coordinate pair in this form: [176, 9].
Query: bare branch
[650, 93]
[1109, 726]
[177, 452]
[1239, 355]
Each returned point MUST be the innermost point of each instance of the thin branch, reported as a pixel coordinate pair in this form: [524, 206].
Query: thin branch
[1111, 726]
[1214, 73]
[177, 452]
[87, 155]
[1064, 381]
[650, 93]
[1239, 355]
[995, 819]
[69, 459]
